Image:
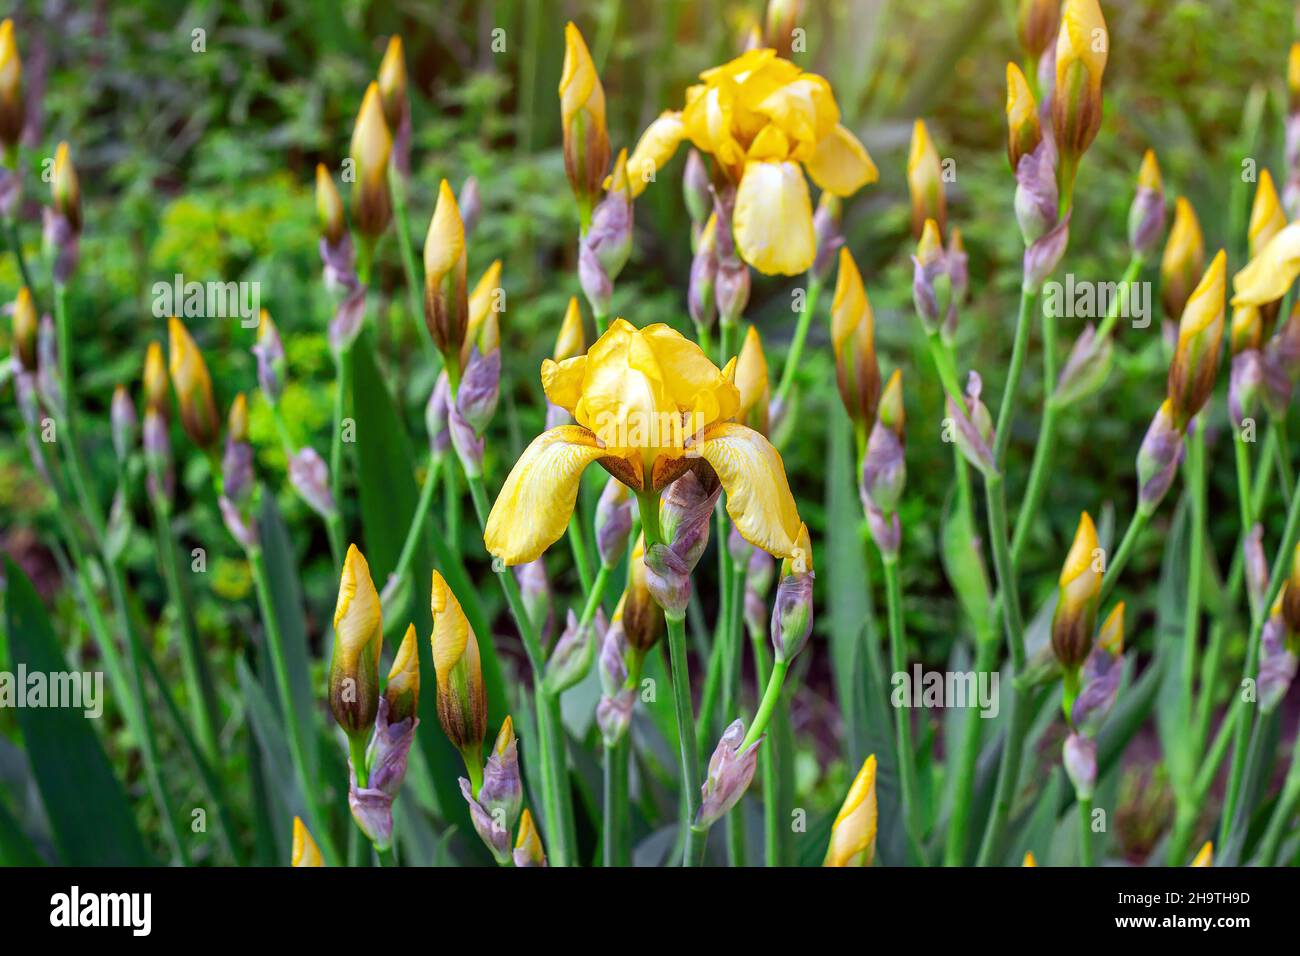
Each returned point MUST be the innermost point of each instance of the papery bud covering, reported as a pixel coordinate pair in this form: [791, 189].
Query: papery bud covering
[730, 772]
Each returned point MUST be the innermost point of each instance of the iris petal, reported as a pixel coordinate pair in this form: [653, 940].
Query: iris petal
[758, 493]
[773, 220]
[840, 164]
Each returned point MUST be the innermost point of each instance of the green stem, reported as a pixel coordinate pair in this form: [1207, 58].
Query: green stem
[730, 680]
[903, 721]
[615, 806]
[298, 741]
[1002, 431]
[797, 343]
[1115, 566]
[578, 544]
[413, 287]
[418, 520]
[1192, 614]
[1282, 812]
[342, 390]
[772, 830]
[15, 245]
[954, 854]
[1085, 831]
[451, 501]
[1283, 454]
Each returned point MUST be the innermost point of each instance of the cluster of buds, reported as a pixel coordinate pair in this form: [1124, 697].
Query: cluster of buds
[853, 339]
[939, 278]
[853, 834]
[884, 470]
[496, 807]
[193, 385]
[161, 479]
[685, 514]
[62, 225]
[237, 479]
[338, 259]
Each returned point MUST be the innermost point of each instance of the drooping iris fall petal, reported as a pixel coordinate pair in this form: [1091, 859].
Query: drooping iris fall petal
[773, 219]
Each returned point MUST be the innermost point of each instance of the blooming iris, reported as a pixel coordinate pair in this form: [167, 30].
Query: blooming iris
[649, 405]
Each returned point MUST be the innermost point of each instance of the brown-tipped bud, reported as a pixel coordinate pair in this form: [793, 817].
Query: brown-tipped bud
[613, 523]
[1200, 338]
[189, 374]
[1183, 260]
[1146, 217]
[1075, 617]
[779, 24]
[125, 424]
[329, 206]
[358, 640]
[1036, 26]
[270, 359]
[642, 617]
[751, 380]
[392, 83]
[403, 688]
[571, 341]
[372, 143]
[528, 845]
[1082, 47]
[502, 793]
[1023, 130]
[65, 189]
[156, 382]
[26, 324]
[853, 338]
[582, 119]
[12, 112]
[462, 697]
[446, 294]
[731, 769]
[925, 182]
[1158, 458]
[1266, 216]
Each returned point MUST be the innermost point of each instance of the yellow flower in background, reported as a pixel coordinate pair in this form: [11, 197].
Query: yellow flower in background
[12, 113]
[156, 382]
[853, 834]
[1293, 77]
[528, 846]
[1029, 859]
[446, 298]
[1270, 273]
[765, 122]
[329, 206]
[403, 689]
[751, 380]
[1082, 48]
[571, 340]
[1205, 857]
[925, 181]
[392, 83]
[358, 641]
[853, 338]
[1111, 636]
[1183, 260]
[65, 188]
[305, 850]
[582, 118]
[25, 326]
[189, 374]
[462, 698]
[1080, 588]
[1195, 364]
[648, 403]
[482, 328]
[371, 145]
[1266, 216]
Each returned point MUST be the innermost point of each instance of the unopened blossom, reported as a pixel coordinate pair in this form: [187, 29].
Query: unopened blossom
[358, 642]
[1079, 591]
[853, 834]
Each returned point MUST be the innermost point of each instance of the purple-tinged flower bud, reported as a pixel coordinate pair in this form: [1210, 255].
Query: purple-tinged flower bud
[535, 589]
[696, 190]
[1036, 195]
[973, 430]
[668, 578]
[471, 205]
[372, 809]
[502, 793]
[739, 549]
[886, 530]
[704, 276]
[1086, 369]
[49, 380]
[1100, 676]
[610, 237]
[492, 831]
[1244, 385]
[931, 284]
[1158, 458]
[1146, 217]
[756, 616]
[240, 524]
[614, 715]
[1256, 565]
[613, 522]
[338, 265]
[884, 468]
[310, 477]
[762, 570]
[348, 319]
[574, 651]
[126, 425]
[270, 359]
[389, 749]
[826, 231]
[731, 290]
[1080, 759]
[158, 456]
[1277, 665]
[466, 441]
[730, 771]
[612, 663]
[237, 470]
[685, 513]
[480, 388]
[792, 615]
[595, 282]
[435, 416]
[1045, 253]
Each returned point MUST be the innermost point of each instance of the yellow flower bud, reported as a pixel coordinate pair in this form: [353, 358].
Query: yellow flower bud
[1029, 859]
[392, 83]
[642, 617]
[1111, 636]
[483, 328]
[1080, 588]
[1023, 130]
[1082, 47]
[571, 340]
[925, 181]
[1195, 364]
[1293, 78]
[891, 412]
[156, 382]
[189, 374]
[1183, 260]
[329, 206]
[1036, 26]
[25, 326]
[1247, 328]
[853, 338]
[65, 189]
[1149, 172]
[582, 117]
[930, 246]
[237, 419]
[1266, 216]
[853, 834]
[403, 689]
[446, 299]
[1205, 856]
[779, 24]
[305, 850]
[358, 640]
[371, 144]
[653, 151]
[462, 698]
[12, 112]
[751, 380]
[1291, 594]
[528, 846]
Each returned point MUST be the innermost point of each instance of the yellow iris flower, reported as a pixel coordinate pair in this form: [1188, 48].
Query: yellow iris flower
[853, 834]
[648, 405]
